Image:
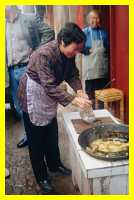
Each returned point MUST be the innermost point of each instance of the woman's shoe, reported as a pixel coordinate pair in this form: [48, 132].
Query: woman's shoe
[46, 186]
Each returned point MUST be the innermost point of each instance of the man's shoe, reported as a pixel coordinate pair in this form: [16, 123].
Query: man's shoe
[46, 187]
[23, 143]
[7, 173]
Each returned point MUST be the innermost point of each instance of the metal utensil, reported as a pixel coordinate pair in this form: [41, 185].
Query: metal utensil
[107, 85]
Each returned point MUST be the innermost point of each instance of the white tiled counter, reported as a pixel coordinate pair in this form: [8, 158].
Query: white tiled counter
[91, 175]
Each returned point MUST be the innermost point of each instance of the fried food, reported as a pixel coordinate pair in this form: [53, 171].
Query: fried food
[108, 146]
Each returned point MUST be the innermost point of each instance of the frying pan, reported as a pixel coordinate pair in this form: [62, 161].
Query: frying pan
[112, 131]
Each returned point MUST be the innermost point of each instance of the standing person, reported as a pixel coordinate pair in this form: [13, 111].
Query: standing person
[39, 94]
[95, 58]
[24, 33]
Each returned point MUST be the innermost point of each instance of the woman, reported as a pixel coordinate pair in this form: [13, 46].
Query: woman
[95, 58]
[39, 93]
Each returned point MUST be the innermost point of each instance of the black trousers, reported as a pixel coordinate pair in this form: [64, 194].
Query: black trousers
[43, 143]
[92, 85]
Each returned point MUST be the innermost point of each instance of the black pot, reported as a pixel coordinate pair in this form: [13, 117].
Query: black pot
[105, 131]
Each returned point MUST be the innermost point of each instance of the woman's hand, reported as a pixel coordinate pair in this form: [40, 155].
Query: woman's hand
[81, 93]
[81, 102]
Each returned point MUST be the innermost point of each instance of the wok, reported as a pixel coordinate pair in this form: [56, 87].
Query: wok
[113, 131]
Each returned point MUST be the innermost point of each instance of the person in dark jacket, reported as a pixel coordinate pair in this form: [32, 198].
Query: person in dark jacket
[24, 33]
[39, 94]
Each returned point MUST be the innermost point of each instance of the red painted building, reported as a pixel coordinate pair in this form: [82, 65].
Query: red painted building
[119, 50]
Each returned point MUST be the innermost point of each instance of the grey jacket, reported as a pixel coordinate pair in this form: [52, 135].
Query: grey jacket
[39, 32]
[35, 33]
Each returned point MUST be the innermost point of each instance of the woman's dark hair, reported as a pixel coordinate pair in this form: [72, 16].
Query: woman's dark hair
[71, 32]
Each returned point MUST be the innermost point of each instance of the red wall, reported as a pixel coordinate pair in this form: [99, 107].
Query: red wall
[80, 16]
[119, 50]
